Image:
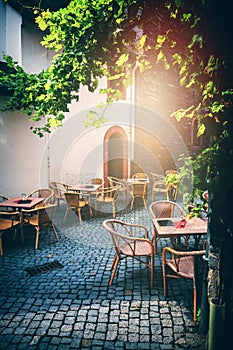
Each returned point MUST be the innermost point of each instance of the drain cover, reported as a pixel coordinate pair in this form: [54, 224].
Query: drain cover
[47, 267]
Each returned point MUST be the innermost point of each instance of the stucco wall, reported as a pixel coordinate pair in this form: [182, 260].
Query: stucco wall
[26, 162]
[20, 153]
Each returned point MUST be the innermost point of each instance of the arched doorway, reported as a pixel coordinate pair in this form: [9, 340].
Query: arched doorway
[115, 153]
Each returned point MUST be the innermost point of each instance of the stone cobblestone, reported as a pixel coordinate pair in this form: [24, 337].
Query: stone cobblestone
[74, 307]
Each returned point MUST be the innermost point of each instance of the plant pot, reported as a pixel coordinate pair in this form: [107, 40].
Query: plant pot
[216, 326]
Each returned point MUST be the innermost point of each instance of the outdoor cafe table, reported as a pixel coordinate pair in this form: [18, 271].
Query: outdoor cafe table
[87, 188]
[166, 228]
[18, 203]
[139, 180]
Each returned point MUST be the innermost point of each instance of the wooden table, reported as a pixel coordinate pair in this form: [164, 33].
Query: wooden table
[165, 228]
[18, 203]
[87, 188]
[138, 180]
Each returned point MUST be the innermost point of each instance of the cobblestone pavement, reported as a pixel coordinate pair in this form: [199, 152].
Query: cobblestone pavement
[73, 307]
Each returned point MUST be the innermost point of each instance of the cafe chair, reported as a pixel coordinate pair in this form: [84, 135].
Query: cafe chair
[138, 190]
[58, 189]
[158, 184]
[39, 218]
[46, 193]
[96, 181]
[171, 187]
[8, 220]
[122, 184]
[181, 264]
[130, 241]
[140, 176]
[164, 209]
[108, 195]
[2, 199]
[75, 202]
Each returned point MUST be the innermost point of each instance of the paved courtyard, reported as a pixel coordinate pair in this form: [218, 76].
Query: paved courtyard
[72, 306]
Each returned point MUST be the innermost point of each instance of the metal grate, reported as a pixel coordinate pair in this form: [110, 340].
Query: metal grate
[44, 268]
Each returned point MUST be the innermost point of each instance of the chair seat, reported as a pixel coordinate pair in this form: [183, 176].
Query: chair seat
[105, 199]
[76, 201]
[5, 224]
[186, 266]
[136, 248]
[82, 204]
[181, 264]
[130, 240]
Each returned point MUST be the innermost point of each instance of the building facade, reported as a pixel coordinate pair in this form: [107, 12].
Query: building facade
[139, 134]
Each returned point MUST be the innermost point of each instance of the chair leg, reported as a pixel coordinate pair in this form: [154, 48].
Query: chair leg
[95, 208]
[113, 210]
[55, 231]
[37, 237]
[164, 275]
[155, 244]
[80, 216]
[114, 269]
[90, 210]
[152, 271]
[144, 201]
[113, 262]
[65, 216]
[1, 249]
[194, 304]
[132, 202]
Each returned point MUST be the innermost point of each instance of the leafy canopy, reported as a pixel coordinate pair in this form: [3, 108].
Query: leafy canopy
[97, 38]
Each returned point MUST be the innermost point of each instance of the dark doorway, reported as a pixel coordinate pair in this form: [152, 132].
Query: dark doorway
[115, 156]
[115, 153]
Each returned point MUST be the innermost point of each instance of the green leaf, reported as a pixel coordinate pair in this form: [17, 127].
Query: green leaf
[122, 59]
[201, 129]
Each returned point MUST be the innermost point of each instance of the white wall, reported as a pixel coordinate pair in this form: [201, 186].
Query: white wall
[20, 153]
[76, 152]
[13, 34]
[34, 56]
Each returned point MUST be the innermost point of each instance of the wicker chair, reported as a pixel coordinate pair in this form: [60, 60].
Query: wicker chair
[140, 176]
[75, 202]
[138, 190]
[2, 199]
[164, 209]
[181, 264]
[45, 193]
[172, 188]
[96, 181]
[59, 189]
[158, 184]
[38, 218]
[8, 220]
[108, 195]
[122, 184]
[130, 240]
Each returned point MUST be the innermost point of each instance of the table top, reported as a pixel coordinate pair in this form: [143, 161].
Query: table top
[166, 227]
[85, 188]
[137, 181]
[17, 202]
